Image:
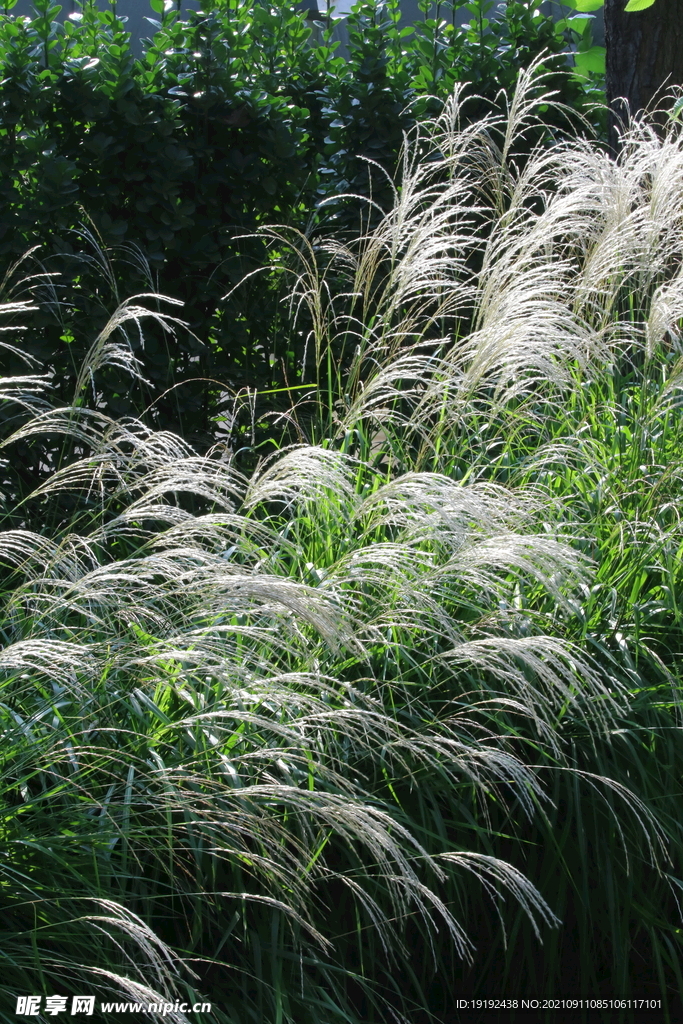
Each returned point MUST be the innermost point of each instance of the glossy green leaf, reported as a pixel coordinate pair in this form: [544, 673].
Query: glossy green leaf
[585, 6]
[592, 60]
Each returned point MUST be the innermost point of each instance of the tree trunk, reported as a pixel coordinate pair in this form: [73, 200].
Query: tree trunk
[644, 57]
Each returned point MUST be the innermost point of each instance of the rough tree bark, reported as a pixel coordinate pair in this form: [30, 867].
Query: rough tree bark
[644, 54]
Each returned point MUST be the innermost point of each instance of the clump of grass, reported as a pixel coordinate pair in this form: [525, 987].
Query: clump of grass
[400, 687]
[515, 321]
[198, 733]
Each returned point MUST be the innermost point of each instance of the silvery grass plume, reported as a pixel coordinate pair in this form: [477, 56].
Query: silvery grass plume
[24, 391]
[216, 708]
[495, 279]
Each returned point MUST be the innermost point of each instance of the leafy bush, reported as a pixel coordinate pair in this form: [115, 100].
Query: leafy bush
[285, 725]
